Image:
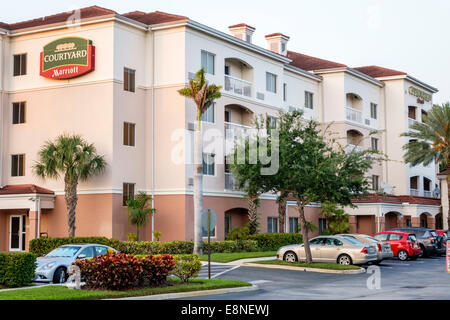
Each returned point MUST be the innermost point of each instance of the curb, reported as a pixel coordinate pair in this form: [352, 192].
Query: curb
[169, 296]
[303, 269]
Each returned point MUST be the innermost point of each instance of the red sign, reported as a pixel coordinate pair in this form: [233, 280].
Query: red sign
[67, 58]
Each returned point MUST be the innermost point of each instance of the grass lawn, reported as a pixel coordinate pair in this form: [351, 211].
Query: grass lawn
[228, 257]
[64, 293]
[319, 265]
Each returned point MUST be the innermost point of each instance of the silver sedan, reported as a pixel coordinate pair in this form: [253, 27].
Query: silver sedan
[331, 249]
[384, 250]
[53, 266]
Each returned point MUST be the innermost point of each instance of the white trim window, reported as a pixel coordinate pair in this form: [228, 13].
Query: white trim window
[129, 80]
[272, 225]
[209, 114]
[375, 182]
[128, 192]
[18, 112]
[129, 134]
[373, 110]
[17, 232]
[309, 102]
[374, 143]
[271, 82]
[17, 165]
[20, 64]
[208, 164]
[208, 61]
[293, 225]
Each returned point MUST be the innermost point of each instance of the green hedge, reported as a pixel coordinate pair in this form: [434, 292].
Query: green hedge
[16, 268]
[184, 247]
[43, 246]
[273, 241]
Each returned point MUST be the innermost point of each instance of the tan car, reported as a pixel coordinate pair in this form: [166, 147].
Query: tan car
[384, 250]
[331, 249]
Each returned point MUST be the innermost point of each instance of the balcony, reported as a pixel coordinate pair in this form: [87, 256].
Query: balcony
[352, 148]
[230, 182]
[414, 192]
[235, 131]
[238, 86]
[353, 115]
[427, 193]
[411, 122]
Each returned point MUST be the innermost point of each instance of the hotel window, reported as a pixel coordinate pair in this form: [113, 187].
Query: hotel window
[129, 80]
[373, 110]
[208, 164]
[271, 82]
[374, 142]
[375, 182]
[208, 62]
[20, 64]
[271, 122]
[208, 115]
[18, 112]
[293, 225]
[284, 91]
[129, 134]
[308, 100]
[128, 192]
[17, 165]
[322, 224]
[272, 225]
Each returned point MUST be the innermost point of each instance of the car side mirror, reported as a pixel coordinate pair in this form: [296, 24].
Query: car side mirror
[81, 256]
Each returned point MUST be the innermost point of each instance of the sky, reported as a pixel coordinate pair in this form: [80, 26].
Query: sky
[406, 35]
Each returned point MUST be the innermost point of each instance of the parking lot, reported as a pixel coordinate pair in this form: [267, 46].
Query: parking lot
[424, 278]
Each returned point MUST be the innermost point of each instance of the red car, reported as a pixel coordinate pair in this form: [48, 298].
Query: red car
[404, 245]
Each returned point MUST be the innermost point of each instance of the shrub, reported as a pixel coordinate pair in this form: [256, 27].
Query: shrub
[131, 236]
[124, 271]
[273, 241]
[187, 266]
[43, 246]
[16, 268]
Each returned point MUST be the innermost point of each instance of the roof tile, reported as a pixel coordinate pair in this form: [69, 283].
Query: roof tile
[309, 63]
[376, 71]
[24, 189]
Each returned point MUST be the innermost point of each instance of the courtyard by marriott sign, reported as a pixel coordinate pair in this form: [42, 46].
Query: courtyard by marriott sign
[419, 94]
[67, 58]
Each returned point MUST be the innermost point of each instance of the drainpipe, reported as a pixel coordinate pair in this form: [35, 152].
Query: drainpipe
[38, 204]
[153, 132]
[2, 88]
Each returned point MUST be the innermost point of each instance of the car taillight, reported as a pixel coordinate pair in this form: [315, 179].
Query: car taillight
[379, 247]
[364, 250]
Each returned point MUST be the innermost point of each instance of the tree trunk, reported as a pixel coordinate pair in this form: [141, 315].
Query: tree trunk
[448, 193]
[198, 187]
[71, 198]
[301, 214]
[282, 199]
[253, 213]
[137, 233]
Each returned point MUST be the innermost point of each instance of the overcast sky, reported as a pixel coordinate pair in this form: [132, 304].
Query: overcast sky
[407, 35]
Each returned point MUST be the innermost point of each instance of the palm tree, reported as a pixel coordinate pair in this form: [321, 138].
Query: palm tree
[140, 209]
[431, 139]
[75, 159]
[203, 96]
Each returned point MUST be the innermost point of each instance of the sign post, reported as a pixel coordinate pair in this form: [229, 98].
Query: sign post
[209, 221]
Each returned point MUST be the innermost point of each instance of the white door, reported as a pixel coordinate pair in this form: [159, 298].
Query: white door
[17, 233]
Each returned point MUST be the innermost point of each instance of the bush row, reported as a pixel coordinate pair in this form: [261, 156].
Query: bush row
[124, 271]
[16, 268]
[259, 242]
[273, 241]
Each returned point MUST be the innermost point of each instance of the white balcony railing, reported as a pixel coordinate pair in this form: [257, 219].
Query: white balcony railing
[353, 115]
[238, 86]
[411, 122]
[427, 193]
[230, 182]
[413, 192]
[352, 148]
[235, 131]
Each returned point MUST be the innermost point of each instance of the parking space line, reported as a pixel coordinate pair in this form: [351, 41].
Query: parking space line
[221, 273]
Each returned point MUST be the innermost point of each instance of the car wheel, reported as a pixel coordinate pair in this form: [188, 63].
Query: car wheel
[403, 255]
[60, 275]
[424, 254]
[344, 259]
[290, 257]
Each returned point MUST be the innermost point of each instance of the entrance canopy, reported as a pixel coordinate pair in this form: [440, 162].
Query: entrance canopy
[24, 197]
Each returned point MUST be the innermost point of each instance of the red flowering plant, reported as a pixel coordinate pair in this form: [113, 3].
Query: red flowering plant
[118, 271]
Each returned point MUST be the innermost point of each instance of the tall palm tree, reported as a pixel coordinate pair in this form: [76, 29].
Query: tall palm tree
[203, 95]
[74, 158]
[431, 139]
[140, 209]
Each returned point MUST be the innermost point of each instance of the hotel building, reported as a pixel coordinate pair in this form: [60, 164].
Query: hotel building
[113, 78]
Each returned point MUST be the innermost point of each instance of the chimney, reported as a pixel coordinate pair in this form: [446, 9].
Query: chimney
[242, 31]
[277, 42]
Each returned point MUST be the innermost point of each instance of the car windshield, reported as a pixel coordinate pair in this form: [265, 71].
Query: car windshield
[434, 233]
[412, 238]
[65, 252]
[351, 240]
